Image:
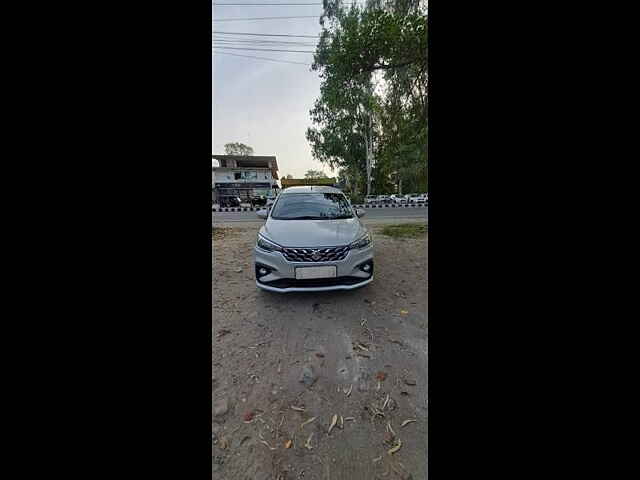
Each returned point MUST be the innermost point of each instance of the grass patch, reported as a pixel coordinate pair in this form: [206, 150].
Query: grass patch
[406, 230]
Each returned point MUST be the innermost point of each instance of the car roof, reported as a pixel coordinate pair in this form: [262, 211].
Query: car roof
[310, 189]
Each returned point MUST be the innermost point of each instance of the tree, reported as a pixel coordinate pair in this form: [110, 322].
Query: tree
[314, 174]
[238, 149]
[370, 119]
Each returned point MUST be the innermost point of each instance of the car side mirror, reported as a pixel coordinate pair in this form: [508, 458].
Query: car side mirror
[262, 214]
[359, 212]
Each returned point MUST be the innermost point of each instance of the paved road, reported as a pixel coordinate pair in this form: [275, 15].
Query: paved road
[415, 213]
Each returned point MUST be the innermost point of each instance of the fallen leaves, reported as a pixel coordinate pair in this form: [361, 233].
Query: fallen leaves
[307, 444]
[307, 422]
[390, 430]
[396, 448]
[287, 444]
[297, 409]
[360, 346]
[350, 388]
[407, 422]
[334, 420]
[263, 441]
[404, 312]
[381, 376]
[248, 416]
[222, 332]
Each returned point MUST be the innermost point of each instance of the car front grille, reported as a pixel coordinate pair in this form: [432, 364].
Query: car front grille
[328, 254]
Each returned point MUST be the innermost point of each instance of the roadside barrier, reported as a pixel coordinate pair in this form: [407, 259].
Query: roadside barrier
[385, 205]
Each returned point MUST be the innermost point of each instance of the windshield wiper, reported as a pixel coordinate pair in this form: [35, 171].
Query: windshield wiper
[305, 217]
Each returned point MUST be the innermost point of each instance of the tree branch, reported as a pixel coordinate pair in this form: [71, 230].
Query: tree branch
[387, 67]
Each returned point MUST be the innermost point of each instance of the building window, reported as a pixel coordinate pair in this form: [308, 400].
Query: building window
[237, 175]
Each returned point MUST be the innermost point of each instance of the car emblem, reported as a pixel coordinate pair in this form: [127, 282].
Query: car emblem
[315, 256]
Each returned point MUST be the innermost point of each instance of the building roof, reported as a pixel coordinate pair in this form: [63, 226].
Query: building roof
[291, 182]
[310, 189]
[248, 161]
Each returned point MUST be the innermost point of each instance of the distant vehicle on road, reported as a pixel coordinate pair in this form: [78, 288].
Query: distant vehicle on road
[415, 198]
[227, 201]
[371, 199]
[271, 198]
[258, 200]
[398, 198]
[312, 240]
[384, 199]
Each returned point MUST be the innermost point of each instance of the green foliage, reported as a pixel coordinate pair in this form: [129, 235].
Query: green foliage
[373, 65]
[313, 174]
[238, 149]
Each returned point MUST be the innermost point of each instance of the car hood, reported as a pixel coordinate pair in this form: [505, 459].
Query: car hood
[313, 233]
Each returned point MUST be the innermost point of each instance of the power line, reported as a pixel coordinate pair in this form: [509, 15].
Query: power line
[261, 58]
[260, 45]
[261, 18]
[267, 50]
[266, 34]
[263, 42]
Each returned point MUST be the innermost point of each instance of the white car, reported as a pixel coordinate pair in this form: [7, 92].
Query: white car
[312, 241]
[371, 199]
[399, 198]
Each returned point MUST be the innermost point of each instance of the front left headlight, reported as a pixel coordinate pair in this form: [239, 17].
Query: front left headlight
[362, 242]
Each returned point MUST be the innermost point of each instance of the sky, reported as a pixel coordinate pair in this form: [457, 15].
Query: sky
[261, 103]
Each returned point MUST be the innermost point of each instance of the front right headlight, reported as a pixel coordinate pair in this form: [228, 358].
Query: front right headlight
[267, 245]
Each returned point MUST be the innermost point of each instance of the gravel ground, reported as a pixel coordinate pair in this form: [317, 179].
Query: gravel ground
[363, 354]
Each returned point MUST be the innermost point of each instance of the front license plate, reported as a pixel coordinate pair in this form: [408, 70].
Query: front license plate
[304, 273]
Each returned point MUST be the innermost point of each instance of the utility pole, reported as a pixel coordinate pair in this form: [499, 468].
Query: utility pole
[369, 148]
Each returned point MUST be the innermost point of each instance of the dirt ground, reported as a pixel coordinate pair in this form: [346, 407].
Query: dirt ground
[363, 354]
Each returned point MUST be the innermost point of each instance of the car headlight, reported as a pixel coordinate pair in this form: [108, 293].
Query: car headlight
[362, 242]
[265, 244]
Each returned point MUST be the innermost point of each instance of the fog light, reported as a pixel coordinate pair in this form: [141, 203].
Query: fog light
[263, 271]
[366, 268]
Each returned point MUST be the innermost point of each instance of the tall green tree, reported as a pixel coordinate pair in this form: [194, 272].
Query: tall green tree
[372, 63]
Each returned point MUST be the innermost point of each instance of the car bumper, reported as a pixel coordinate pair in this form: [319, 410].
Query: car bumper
[282, 275]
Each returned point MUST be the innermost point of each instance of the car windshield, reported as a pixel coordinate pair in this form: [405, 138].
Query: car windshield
[312, 206]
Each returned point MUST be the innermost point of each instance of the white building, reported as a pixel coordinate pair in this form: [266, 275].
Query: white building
[244, 176]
